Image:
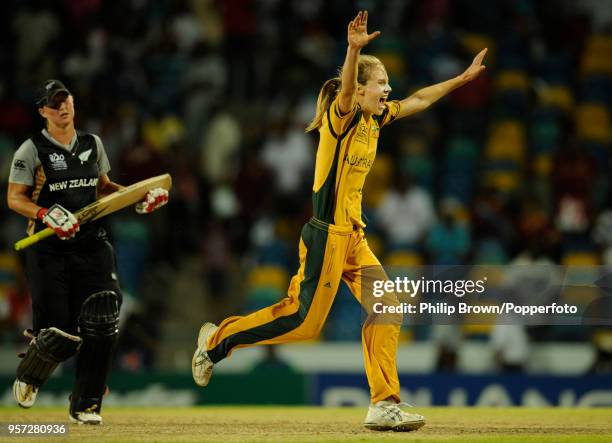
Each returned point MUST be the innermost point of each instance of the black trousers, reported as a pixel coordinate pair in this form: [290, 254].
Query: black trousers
[60, 283]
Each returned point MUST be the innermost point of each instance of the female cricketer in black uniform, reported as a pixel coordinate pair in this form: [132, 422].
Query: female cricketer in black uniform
[72, 276]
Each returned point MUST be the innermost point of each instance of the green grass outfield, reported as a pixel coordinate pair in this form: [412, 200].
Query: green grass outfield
[227, 424]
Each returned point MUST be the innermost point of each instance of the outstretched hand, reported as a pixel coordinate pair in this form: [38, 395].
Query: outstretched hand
[358, 36]
[475, 68]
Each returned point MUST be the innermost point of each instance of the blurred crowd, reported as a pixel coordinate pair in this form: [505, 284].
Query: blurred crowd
[515, 166]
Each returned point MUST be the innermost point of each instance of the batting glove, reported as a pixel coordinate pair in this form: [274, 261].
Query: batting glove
[61, 220]
[155, 199]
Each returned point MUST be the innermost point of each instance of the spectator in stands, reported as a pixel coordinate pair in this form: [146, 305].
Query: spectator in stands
[448, 242]
[413, 206]
[510, 346]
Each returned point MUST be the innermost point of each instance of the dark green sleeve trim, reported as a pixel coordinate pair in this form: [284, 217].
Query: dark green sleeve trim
[352, 124]
[331, 128]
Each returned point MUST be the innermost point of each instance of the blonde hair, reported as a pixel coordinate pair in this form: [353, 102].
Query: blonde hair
[331, 87]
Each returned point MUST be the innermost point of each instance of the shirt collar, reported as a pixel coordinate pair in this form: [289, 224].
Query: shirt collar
[49, 137]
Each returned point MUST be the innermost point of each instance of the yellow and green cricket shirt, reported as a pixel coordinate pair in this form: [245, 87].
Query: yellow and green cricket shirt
[346, 152]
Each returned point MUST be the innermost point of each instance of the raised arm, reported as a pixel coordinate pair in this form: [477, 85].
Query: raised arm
[358, 37]
[425, 97]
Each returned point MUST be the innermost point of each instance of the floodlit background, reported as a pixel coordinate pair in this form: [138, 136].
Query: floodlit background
[513, 167]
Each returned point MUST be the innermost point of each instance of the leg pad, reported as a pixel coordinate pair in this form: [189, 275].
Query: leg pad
[99, 327]
[48, 349]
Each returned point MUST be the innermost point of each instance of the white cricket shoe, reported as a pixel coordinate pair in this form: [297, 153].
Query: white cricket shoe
[201, 364]
[85, 418]
[387, 416]
[25, 394]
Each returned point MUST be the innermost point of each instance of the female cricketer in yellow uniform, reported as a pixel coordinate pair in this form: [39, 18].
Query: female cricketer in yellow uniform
[351, 110]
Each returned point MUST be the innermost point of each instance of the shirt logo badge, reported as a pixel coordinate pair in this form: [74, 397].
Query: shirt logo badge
[84, 156]
[58, 162]
[362, 133]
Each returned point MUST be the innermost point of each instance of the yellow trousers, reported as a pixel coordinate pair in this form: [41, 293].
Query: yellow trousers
[328, 253]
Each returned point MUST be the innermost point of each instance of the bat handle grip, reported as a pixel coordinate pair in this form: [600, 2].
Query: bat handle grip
[35, 238]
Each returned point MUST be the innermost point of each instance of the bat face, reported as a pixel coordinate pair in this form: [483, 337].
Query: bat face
[92, 212]
[124, 197]
[107, 205]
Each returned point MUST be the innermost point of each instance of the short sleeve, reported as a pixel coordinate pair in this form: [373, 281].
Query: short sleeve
[24, 164]
[390, 113]
[339, 122]
[103, 163]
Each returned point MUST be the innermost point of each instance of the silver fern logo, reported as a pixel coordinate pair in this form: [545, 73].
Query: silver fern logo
[84, 156]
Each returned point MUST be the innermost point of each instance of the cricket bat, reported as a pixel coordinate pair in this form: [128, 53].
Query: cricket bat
[106, 205]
